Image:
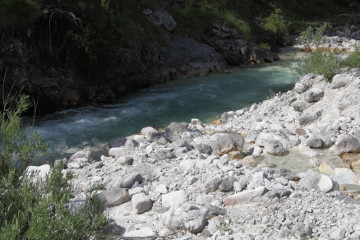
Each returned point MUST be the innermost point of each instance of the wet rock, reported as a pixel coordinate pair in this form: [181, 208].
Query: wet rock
[252, 160]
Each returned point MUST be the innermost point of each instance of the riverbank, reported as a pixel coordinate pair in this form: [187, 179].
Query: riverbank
[194, 179]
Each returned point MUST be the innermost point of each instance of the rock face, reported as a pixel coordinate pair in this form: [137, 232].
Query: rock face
[162, 18]
[229, 43]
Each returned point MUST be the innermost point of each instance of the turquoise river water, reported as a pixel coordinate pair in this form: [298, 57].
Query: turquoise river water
[203, 97]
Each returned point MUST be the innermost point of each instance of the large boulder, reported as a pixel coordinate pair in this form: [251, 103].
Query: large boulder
[314, 142]
[347, 144]
[176, 132]
[313, 95]
[190, 217]
[340, 80]
[317, 181]
[114, 196]
[222, 143]
[272, 142]
[141, 203]
[309, 118]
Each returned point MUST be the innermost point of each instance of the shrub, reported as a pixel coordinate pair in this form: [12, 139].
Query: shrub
[35, 208]
[321, 62]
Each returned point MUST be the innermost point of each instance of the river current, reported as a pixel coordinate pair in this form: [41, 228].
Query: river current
[203, 97]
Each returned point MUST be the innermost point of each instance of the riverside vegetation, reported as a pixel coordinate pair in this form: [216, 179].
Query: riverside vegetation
[35, 206]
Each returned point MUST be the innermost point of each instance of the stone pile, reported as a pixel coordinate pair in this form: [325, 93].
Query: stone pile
[193, 180]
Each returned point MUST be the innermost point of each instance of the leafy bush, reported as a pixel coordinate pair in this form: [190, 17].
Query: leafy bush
[35, 208]
[319, 60]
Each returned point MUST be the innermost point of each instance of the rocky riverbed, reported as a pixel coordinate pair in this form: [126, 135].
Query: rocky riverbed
[198, 181]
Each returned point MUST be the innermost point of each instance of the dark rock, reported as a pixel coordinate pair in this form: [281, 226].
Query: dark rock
[314, 142]
[162, 18]
[227, 184]
[230, 44]
[213, 185]
[130, 180]
[204, 148]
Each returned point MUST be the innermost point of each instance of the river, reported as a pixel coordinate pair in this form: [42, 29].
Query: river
[203, 97]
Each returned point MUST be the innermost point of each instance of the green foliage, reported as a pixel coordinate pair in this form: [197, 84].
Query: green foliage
[275, 22]
[242, 26]
[32, 207]
[320, 61]
[18, 147]
[352, 61]
[194, 18]
[311, 35]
